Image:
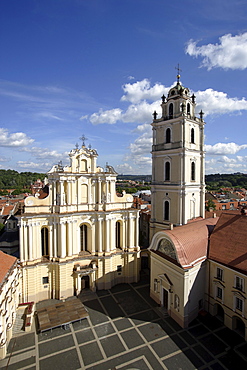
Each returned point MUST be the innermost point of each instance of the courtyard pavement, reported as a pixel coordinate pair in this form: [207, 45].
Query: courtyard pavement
[127, 330]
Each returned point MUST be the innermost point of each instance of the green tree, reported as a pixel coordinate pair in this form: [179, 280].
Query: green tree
[210, 205]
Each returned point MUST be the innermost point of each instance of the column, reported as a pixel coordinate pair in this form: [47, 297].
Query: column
[63, 238]
[107, 236]
[30, 241]
[137, 231]
[55, 239]
[50, 251]
[62, 195]
[54, 192]
[100, 235]
[130, 231]
[89, 192]
[25, 242]
[21, 242]
[99, 191]
[70, 237]
[93, 235]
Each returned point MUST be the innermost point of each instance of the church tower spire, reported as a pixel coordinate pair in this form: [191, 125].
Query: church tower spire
[178, 186]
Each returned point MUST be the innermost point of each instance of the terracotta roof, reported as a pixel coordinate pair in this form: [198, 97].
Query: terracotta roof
[6, 262]
[228, 242]
[191, 241]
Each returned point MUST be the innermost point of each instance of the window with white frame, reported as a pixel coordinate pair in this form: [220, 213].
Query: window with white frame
[239, 283]
[219, 273]
[239, 304]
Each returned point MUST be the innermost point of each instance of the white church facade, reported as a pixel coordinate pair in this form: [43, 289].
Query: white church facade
[81, 235]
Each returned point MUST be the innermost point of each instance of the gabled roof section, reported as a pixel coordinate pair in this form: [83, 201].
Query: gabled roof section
[228, 242]
[6, 263]
[190, 241]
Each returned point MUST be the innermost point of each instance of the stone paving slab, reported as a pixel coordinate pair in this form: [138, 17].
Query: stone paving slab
[125, 331]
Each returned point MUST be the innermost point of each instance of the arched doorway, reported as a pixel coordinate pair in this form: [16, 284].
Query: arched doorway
[85, 282]
[165, 299]
[238, 326]
[219, 312]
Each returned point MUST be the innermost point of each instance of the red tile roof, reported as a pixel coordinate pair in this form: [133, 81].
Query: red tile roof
[228, 242]
[191, 241]
[6, 262]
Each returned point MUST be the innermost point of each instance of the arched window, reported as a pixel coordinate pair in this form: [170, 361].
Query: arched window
[167, 171]
[168, 135]
[118, 234]
[192, 136]
[188, 108]
[193, 171]
[83, 235]
[166, 210]
[45, 242]
[171, 111]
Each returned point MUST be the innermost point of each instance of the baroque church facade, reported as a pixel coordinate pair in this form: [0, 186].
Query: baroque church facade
[81, 235]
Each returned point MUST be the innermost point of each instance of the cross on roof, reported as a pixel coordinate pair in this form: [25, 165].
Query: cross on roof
[83, 138]
[179, 70]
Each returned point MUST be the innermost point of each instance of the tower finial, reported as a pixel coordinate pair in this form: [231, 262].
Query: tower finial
[178, 75]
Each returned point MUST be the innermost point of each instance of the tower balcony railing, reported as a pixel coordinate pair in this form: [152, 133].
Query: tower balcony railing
[164, 146]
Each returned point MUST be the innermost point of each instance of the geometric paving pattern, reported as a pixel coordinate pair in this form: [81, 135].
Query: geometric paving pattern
[126, 330]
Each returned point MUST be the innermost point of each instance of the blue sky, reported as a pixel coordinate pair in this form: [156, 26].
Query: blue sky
[99, 68]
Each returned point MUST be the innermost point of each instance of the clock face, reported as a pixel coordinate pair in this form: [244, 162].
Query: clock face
[166, 247]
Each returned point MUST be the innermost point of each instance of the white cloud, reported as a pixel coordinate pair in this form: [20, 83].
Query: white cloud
[136, 113]
[124, 168]
[32, 165]
[142, 90]
[217, 102]
[142, 145]
[229, 53]
[107, 116]
[44, 153]
[224, 148]
[4, 159]
[145, 127]
[16, 139]
[48, 115]
[83, 117]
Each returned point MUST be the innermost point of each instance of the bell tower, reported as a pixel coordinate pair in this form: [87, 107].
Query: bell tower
[178, 185]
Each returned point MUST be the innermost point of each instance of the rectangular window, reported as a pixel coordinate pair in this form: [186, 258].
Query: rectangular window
[219, 292]
[45, 280]
[238, 304]
[239, 283]
[219, 273]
